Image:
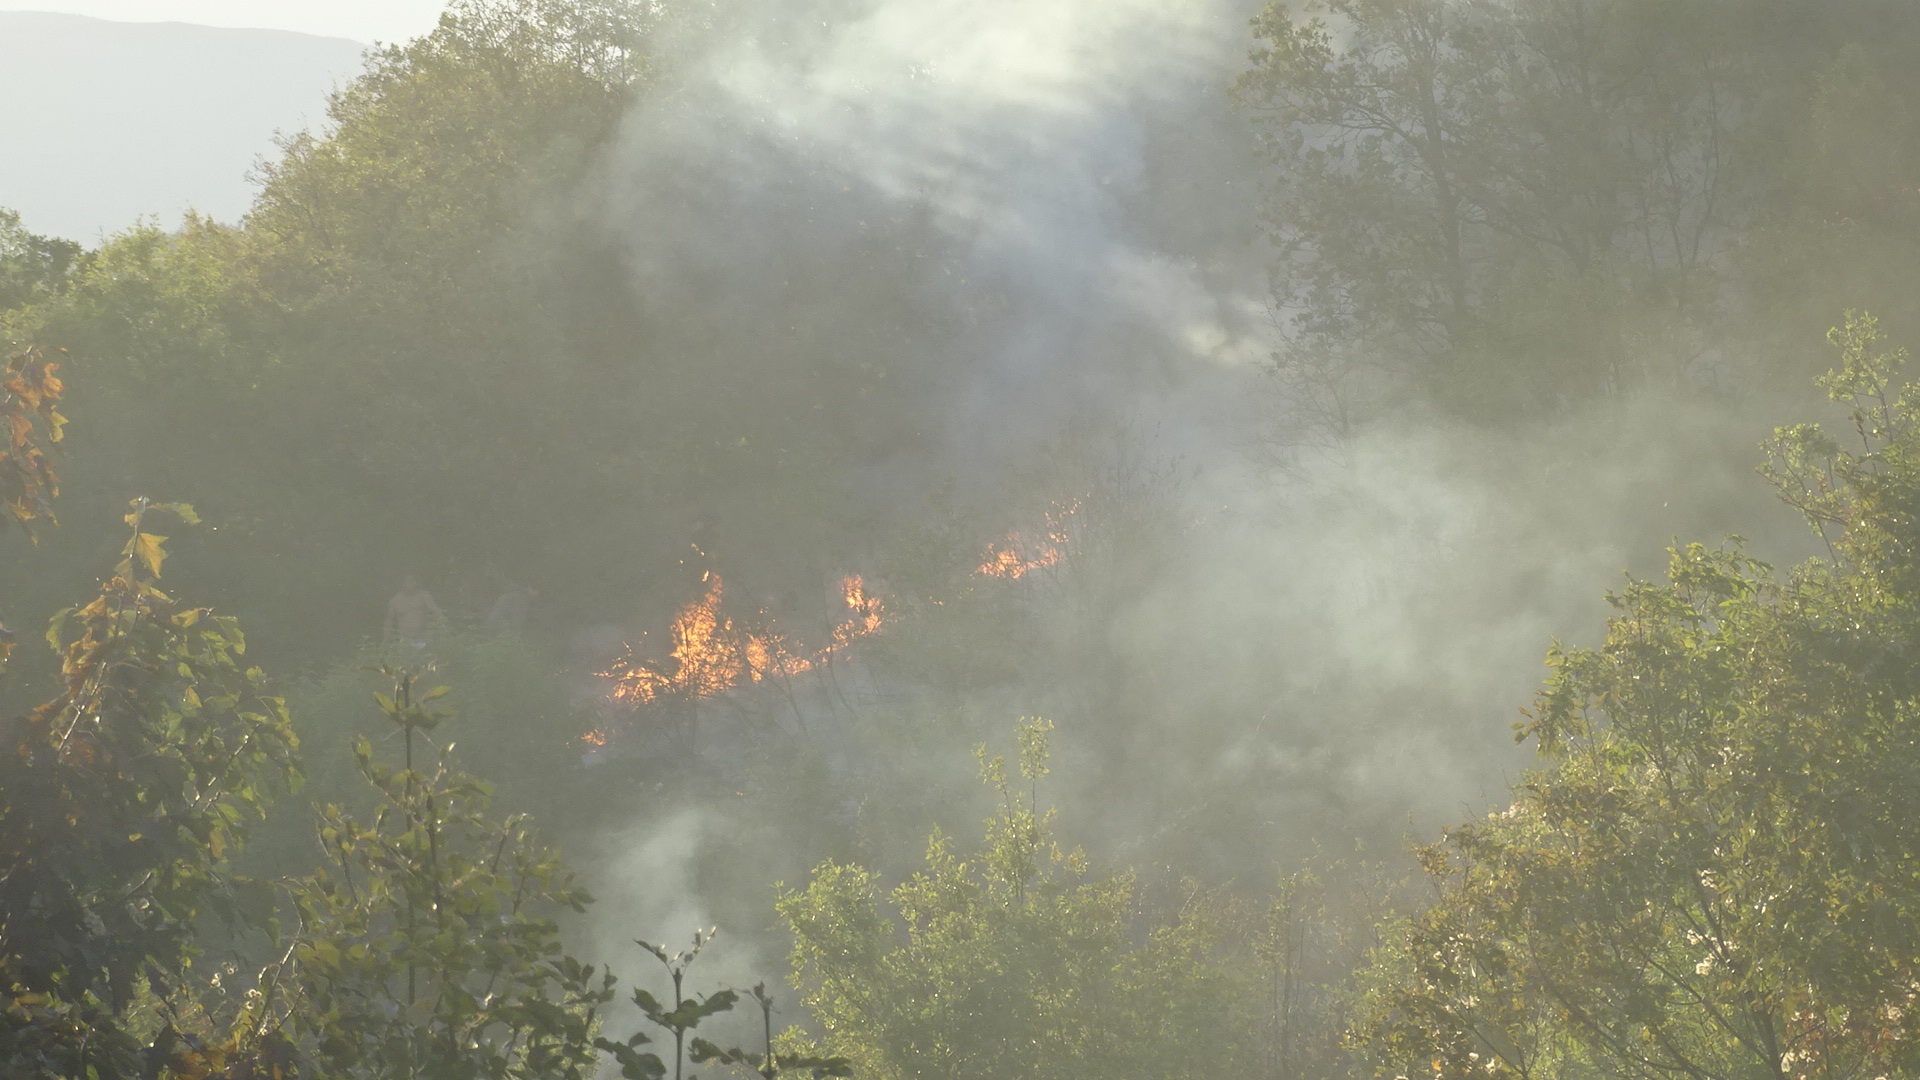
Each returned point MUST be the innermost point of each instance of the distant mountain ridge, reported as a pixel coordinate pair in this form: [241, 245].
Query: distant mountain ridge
[104, 122]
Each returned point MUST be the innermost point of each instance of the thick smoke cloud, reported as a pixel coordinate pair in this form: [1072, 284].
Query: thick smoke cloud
[1036, 218]
[1042, 204]
[1341, 652]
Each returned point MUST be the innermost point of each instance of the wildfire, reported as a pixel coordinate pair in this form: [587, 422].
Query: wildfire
[712, 654]
[1015, 557]
[864, 613]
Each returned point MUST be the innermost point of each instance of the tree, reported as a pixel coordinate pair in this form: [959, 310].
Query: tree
[29, 406]
[384, 331]
[1317, 934]
[32, 267]
[121, 801]
[1716, 870]
[687, 1012]
[1506, 203]
[429, 946]
[1015, 961]
[423, 202]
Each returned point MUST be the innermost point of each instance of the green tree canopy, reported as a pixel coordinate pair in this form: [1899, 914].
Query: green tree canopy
[1519, 203]
[428, 944]
[32, 267]
[1715, 871]
[121, 801]
[1015, 960]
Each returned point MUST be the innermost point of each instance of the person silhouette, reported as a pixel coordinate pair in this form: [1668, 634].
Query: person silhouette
[410, 613]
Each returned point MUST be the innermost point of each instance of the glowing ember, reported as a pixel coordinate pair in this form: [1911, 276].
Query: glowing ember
[864, 613]
[1009, 559]
[1015, 557]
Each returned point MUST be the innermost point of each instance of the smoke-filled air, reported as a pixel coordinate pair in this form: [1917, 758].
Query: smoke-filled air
[987, 540]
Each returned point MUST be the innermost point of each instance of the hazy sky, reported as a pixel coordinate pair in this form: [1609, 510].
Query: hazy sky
[361, 20]
[107, 121]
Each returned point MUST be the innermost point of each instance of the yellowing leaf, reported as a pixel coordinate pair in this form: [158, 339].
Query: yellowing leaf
[147, 546]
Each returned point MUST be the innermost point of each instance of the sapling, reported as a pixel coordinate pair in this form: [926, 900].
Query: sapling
[687, 1013]
[684, 1015]
[769, 1064]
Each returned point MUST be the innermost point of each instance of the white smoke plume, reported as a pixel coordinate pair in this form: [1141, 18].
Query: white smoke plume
[1043, 214]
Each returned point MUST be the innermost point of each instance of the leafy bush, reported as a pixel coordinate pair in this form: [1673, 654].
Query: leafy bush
[1013, 961]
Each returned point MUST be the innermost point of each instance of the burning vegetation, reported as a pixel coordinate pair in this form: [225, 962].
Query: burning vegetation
[712, 653]
[1015, 556]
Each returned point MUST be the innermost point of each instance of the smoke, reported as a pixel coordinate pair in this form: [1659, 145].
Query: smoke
[978, 198]
[650, 871]
[1009, 245]
[1341, 652]
[655, 863]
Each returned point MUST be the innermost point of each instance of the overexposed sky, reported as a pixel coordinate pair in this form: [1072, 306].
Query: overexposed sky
[362, 20]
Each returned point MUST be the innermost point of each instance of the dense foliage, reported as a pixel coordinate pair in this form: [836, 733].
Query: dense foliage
[1512, 204]
[123, 799]
[428, 941]
[390, 317]
[1013, 961]
[32, 267]
[421, 333]
[425, 945]
[28, 483]
[1714, 874]
[422, 352]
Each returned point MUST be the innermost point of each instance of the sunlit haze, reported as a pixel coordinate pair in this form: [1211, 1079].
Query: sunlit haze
[1092, 539]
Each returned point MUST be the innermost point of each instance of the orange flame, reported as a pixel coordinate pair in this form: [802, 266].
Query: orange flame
[704, 657]
[712, 655]
[864, 613]
[1015, 557]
